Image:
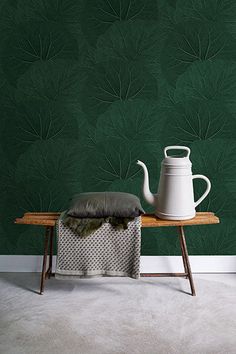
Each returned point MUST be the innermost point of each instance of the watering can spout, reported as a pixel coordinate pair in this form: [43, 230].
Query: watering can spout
[149, 197]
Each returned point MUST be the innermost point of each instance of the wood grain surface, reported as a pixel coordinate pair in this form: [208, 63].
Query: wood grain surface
[148, 220]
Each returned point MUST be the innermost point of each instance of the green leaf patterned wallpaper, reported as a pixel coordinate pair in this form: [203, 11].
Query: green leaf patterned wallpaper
[88, 87]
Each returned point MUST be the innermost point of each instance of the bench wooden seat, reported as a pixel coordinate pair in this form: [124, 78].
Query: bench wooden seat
[148, 220]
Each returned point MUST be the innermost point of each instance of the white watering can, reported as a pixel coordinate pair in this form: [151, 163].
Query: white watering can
[175, 198]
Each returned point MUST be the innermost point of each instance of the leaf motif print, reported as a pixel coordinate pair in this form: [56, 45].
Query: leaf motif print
[183, 47]
[207, 81]
[35, 42]
[136, 120]
[116, 81]
[99, 15]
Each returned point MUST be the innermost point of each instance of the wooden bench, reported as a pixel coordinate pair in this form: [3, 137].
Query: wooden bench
[48, 220]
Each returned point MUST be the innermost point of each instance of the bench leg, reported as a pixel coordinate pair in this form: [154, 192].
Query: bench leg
[49, 271]
[43, 274]
[185, 257]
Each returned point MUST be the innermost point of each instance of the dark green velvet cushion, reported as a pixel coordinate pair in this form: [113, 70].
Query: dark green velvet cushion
[103, 204]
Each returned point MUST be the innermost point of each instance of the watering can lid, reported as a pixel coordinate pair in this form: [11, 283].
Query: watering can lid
[177, 161]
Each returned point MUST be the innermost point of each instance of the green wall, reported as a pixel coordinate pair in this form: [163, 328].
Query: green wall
[89, 87]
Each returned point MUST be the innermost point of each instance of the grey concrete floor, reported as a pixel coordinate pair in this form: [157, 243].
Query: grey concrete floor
[118, 315]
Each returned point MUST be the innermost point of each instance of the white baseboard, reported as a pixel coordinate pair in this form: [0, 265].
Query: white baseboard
[149, 264]
[199, 264]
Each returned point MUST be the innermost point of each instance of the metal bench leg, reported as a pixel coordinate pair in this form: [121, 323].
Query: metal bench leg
[43, 274]
[185, 257]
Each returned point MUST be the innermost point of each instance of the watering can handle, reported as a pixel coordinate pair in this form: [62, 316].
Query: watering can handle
[206, 191]
[176, 147]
